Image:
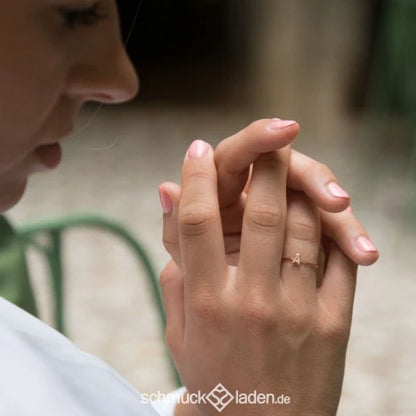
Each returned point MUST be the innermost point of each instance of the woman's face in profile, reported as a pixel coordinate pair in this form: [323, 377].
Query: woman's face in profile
[55, 55]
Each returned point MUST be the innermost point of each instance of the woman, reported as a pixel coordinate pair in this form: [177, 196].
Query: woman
[260, 312]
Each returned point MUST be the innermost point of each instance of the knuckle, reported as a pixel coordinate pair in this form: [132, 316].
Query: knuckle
[266, 217]
[300, 320]
[256, 130]
[254, 125]
[297, 320]
[169, 243]
[296, 325]
[169, 273]
[257, 314]
[323, 169]
[206, 309]
[199, 175]
[303, 231]
[165, 276]
[196, 219]
[319, 166]
[333, 331]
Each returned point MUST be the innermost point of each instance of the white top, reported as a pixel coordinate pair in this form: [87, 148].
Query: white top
[42, 373]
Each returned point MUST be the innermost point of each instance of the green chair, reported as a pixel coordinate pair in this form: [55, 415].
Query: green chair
[14, 277]
[392, 87]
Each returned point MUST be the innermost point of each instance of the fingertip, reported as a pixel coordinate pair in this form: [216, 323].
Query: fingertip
[165, 200]
[172, 191]
[361, 257]
[197, 150]
[338, 199]
[170, 187]
[367, 249]
[330, 204]
[270, 135]
[360, 250]
[290, 127]
[368, 259]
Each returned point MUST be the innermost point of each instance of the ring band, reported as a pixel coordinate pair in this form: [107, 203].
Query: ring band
[296, 260]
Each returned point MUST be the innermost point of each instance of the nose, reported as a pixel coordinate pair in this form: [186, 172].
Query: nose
[110, 78]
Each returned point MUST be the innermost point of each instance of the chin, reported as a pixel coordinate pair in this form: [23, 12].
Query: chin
[11, 194]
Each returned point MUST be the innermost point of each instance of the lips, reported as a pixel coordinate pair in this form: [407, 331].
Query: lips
[49, 155]
[49, 152]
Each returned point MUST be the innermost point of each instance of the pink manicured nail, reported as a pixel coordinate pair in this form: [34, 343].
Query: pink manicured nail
[279, 125]
[165, 201]
[198, 149]
[336, 191]
[364, 244]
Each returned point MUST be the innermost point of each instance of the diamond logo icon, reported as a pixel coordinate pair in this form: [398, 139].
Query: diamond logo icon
[219, 397]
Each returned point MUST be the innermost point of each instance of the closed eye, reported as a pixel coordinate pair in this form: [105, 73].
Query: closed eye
[77, 17]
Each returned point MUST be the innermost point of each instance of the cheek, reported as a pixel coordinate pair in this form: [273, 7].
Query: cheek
[32, 79]
[26, 106]
[27, 101]
[33, 73]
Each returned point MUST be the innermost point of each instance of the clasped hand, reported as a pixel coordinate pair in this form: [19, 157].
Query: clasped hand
[238, 310]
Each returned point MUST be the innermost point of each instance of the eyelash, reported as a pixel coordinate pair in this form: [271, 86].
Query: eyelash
[77, 17]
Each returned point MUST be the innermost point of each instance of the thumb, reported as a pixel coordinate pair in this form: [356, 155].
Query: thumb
[171, 282]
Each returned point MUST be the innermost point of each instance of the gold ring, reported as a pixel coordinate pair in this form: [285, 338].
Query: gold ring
[297, 261]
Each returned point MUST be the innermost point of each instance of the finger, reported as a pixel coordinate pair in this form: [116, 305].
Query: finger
[170, 194]
[338, 286]
[302, 244]
[232, 216]
[320, 184]
[201, 240]
[321, 265]
[171, 282]
[234, 155]
[349, 234]
[317, 181]
[264, 219]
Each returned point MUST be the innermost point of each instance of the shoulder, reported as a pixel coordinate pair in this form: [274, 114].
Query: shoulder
[43, 372]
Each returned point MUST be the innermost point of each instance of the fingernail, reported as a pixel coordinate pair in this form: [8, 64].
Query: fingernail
[336, 191]
[279, 125]
[165, 201]
[198, 149]
[364, 244]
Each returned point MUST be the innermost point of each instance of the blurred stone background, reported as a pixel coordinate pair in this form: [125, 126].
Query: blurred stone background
[209, 68]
